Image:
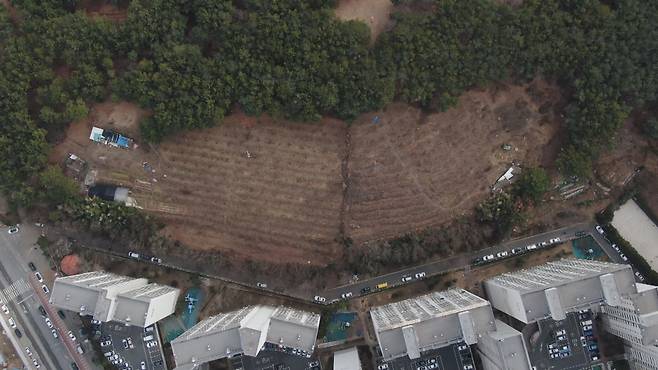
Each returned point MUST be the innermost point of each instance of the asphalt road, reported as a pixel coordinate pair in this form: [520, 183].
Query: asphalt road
[454, 263]
[17, 250]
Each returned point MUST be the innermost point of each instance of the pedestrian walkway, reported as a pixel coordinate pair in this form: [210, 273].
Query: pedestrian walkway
[13, 291]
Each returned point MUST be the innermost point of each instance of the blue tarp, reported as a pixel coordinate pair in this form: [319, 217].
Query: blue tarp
[123, 141]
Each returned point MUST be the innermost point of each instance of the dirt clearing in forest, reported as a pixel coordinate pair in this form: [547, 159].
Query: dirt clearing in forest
[410, 170]
[375, 13]
[278, 191]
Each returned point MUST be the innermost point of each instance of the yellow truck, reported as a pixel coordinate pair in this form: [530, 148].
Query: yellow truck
[382, 286]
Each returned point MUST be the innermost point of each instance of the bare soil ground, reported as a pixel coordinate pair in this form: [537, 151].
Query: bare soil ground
[375, 13]
[274, 191]
[101, 9]
[413, 170]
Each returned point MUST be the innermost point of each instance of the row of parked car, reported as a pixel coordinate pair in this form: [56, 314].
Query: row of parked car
[514, 252]
[588, 339]
[600, 230]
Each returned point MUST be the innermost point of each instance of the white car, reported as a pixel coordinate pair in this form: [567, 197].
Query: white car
[531, 247]
[382, 367]
[488, 257]
[54, 332]
[462, 347]
[639, 276]
[5, 309]
[561, 332]
[36, 363]
[420, 275]
[587, 327]
[45, 289]
[317, 298]
[346, 295]
[13, 230]
[599, 229]
[406, 279]
[106, 343]
[142, 365]
[468, 367]
[616, 248]
[12, 323]
[623, 256]
[151, 344]
[133, 255]
[39, 276]
[70, 334]
[261, 285]
[27, 350]
[156, 260]
[49, 323]
[501, 254]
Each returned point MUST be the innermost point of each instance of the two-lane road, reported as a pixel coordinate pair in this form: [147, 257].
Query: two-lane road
[25, 306]
[453, 263]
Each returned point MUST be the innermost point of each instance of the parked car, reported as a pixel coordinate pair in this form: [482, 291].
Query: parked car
[561, 332]
[587, 327]
[61, 314]
[502, 254]
[420, 275]
[639, 276]
[32, 266]
[488, 258]
[38, 276]
[516, 250]
[70, 334]
[314, 363]
[5, 309]
[561, 337]
[142, 365]
[13, 230]
[531, 247]
[615, 247]
[599, 229]
[151, 344]
[106, 343]
[133, 255]
[463, 347]
[261, 285]
[382, 367]
[317, 298]
[54, 333]
[27, 350]
[365, 290]
[45, 289]
[156, 260]
[346, 295]
[12, 323]
[36, 363]
[586, 322]
[18, 333]
[406, 279]
[49, 323]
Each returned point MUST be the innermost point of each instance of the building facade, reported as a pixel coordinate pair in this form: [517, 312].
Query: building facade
[244, 332]
[111, 297]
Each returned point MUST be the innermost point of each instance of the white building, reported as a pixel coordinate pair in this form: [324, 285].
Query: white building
[628, 310]
[111, 297]
[503, 349]
[555, 288]
[347, 359]
[435, 320]
[244, 332]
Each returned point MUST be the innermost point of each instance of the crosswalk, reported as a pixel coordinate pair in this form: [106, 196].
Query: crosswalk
[15, 290]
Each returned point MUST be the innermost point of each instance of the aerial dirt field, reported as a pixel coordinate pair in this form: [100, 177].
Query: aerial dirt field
[375, 13]
[413, 170]
[279, 191]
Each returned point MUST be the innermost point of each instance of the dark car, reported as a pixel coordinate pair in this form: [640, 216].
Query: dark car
[18, 333]
[74, 366]
[61, 314]
[365, 290]
[32, 267]
[43, 311]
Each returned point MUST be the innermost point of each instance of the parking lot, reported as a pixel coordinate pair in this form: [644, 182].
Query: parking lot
[126, 347]
[568, 344]
[457, 356]
[273, 357]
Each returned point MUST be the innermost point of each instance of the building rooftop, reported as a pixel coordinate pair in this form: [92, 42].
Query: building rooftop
[555, 288]
[244, 331]
[431, 321]
[347, 359]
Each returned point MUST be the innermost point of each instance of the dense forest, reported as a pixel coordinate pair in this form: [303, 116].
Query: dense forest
[192, 61]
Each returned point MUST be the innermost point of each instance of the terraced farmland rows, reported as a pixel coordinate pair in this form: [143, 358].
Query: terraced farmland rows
[270, 192]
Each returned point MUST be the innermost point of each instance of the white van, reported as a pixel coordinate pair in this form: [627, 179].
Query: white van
[148, 338]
